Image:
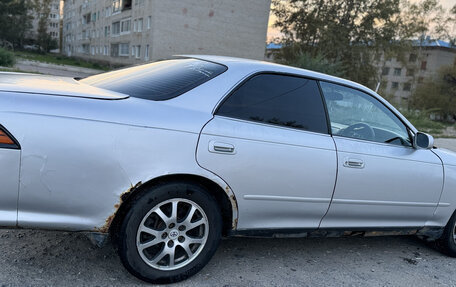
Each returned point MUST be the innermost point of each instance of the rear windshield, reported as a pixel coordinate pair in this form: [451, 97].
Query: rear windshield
[158, 81]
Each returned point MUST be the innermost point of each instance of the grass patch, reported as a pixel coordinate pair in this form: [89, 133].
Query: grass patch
[59, 60]
[423, 123]
[14, 70]
[7, 58]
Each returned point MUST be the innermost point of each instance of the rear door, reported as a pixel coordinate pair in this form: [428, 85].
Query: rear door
[269, 141]
[10, 155]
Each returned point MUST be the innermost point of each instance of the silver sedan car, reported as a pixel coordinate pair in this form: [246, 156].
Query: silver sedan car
[168, 157]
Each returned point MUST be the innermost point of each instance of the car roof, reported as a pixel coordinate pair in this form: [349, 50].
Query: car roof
[54, 86]
[256, 65]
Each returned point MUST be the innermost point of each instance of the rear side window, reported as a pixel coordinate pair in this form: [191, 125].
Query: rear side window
[278, 100]
[158, 81]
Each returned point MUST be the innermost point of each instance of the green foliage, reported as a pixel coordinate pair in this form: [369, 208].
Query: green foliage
[354, 34]
[422, 121]
[438, 94]
[7, 58]
[59, 60]
[44, 40]
[317, 63]
[348, 33]
[15, 21]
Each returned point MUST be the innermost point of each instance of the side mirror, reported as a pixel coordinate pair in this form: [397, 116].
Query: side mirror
[422, 140]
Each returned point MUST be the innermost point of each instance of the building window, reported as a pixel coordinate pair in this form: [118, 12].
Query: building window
[133, 50]
[115, 6]
[115, 28]
[126, 4]
[407, 87]
[412, 58]
[105, 52]
[135, 26]
[149, 21]
[397, 71]
[138, 52]
[114, 50]
[385, 71]
[420, 80]
[107, 31]
[146, 54]
[125, 26]
[410, 72]
[124, 48]
[394, 85]
[423, 65]
[140, 25]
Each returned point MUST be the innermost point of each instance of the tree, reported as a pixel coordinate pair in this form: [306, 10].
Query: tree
[15, 21]
[356, 34]
[348, 32]
[438, 94]
[44, 40]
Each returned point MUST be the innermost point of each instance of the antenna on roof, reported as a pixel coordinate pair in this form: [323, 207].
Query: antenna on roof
[378, 87]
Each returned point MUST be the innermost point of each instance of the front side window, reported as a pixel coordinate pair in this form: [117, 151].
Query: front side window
[355, 114]
[278, 100]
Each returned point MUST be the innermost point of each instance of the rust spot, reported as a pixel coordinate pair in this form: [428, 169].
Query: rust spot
[122, 197]
[184, 11]
[211, 13]
[233, 205]
[186, 25]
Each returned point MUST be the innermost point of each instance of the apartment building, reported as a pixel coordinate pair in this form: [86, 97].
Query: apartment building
[400, 78]
[135, 31]
[53, 21]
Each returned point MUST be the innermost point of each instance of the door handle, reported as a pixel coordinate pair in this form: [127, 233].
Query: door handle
[353, 163]
[220, 147]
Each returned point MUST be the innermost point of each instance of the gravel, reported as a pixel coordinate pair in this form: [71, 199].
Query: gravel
[47, 258]
[40, 258]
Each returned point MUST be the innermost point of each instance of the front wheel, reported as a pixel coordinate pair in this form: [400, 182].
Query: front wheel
[447, 242]
[170, 232]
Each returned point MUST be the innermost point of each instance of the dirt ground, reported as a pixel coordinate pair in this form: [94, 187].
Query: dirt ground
[38, 258]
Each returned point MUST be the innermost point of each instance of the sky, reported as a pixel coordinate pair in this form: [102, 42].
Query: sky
[273, 32]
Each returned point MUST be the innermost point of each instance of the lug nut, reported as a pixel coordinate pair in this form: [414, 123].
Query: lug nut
[171, 225]
[181, 228]
[181, 239]
[170, 243]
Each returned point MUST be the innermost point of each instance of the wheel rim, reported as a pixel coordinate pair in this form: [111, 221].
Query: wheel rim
[172, 234]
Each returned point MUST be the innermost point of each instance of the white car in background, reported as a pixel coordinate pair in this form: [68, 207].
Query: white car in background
[170, 156]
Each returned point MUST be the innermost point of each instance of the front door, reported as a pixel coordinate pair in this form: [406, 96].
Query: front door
[382, 180]
[269, 141]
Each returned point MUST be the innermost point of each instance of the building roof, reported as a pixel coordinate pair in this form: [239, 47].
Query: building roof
[433, 43]
[273, 46]
[427, 42]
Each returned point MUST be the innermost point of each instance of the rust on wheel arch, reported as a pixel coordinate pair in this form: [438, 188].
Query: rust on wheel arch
[110, 219]
[234, 207]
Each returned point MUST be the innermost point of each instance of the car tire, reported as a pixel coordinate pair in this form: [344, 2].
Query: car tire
[184, 239]
[447, 242]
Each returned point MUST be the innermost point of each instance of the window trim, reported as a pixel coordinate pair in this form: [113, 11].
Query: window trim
[249, 77]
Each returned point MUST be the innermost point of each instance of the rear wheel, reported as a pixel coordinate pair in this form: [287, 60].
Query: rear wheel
[170, 232]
